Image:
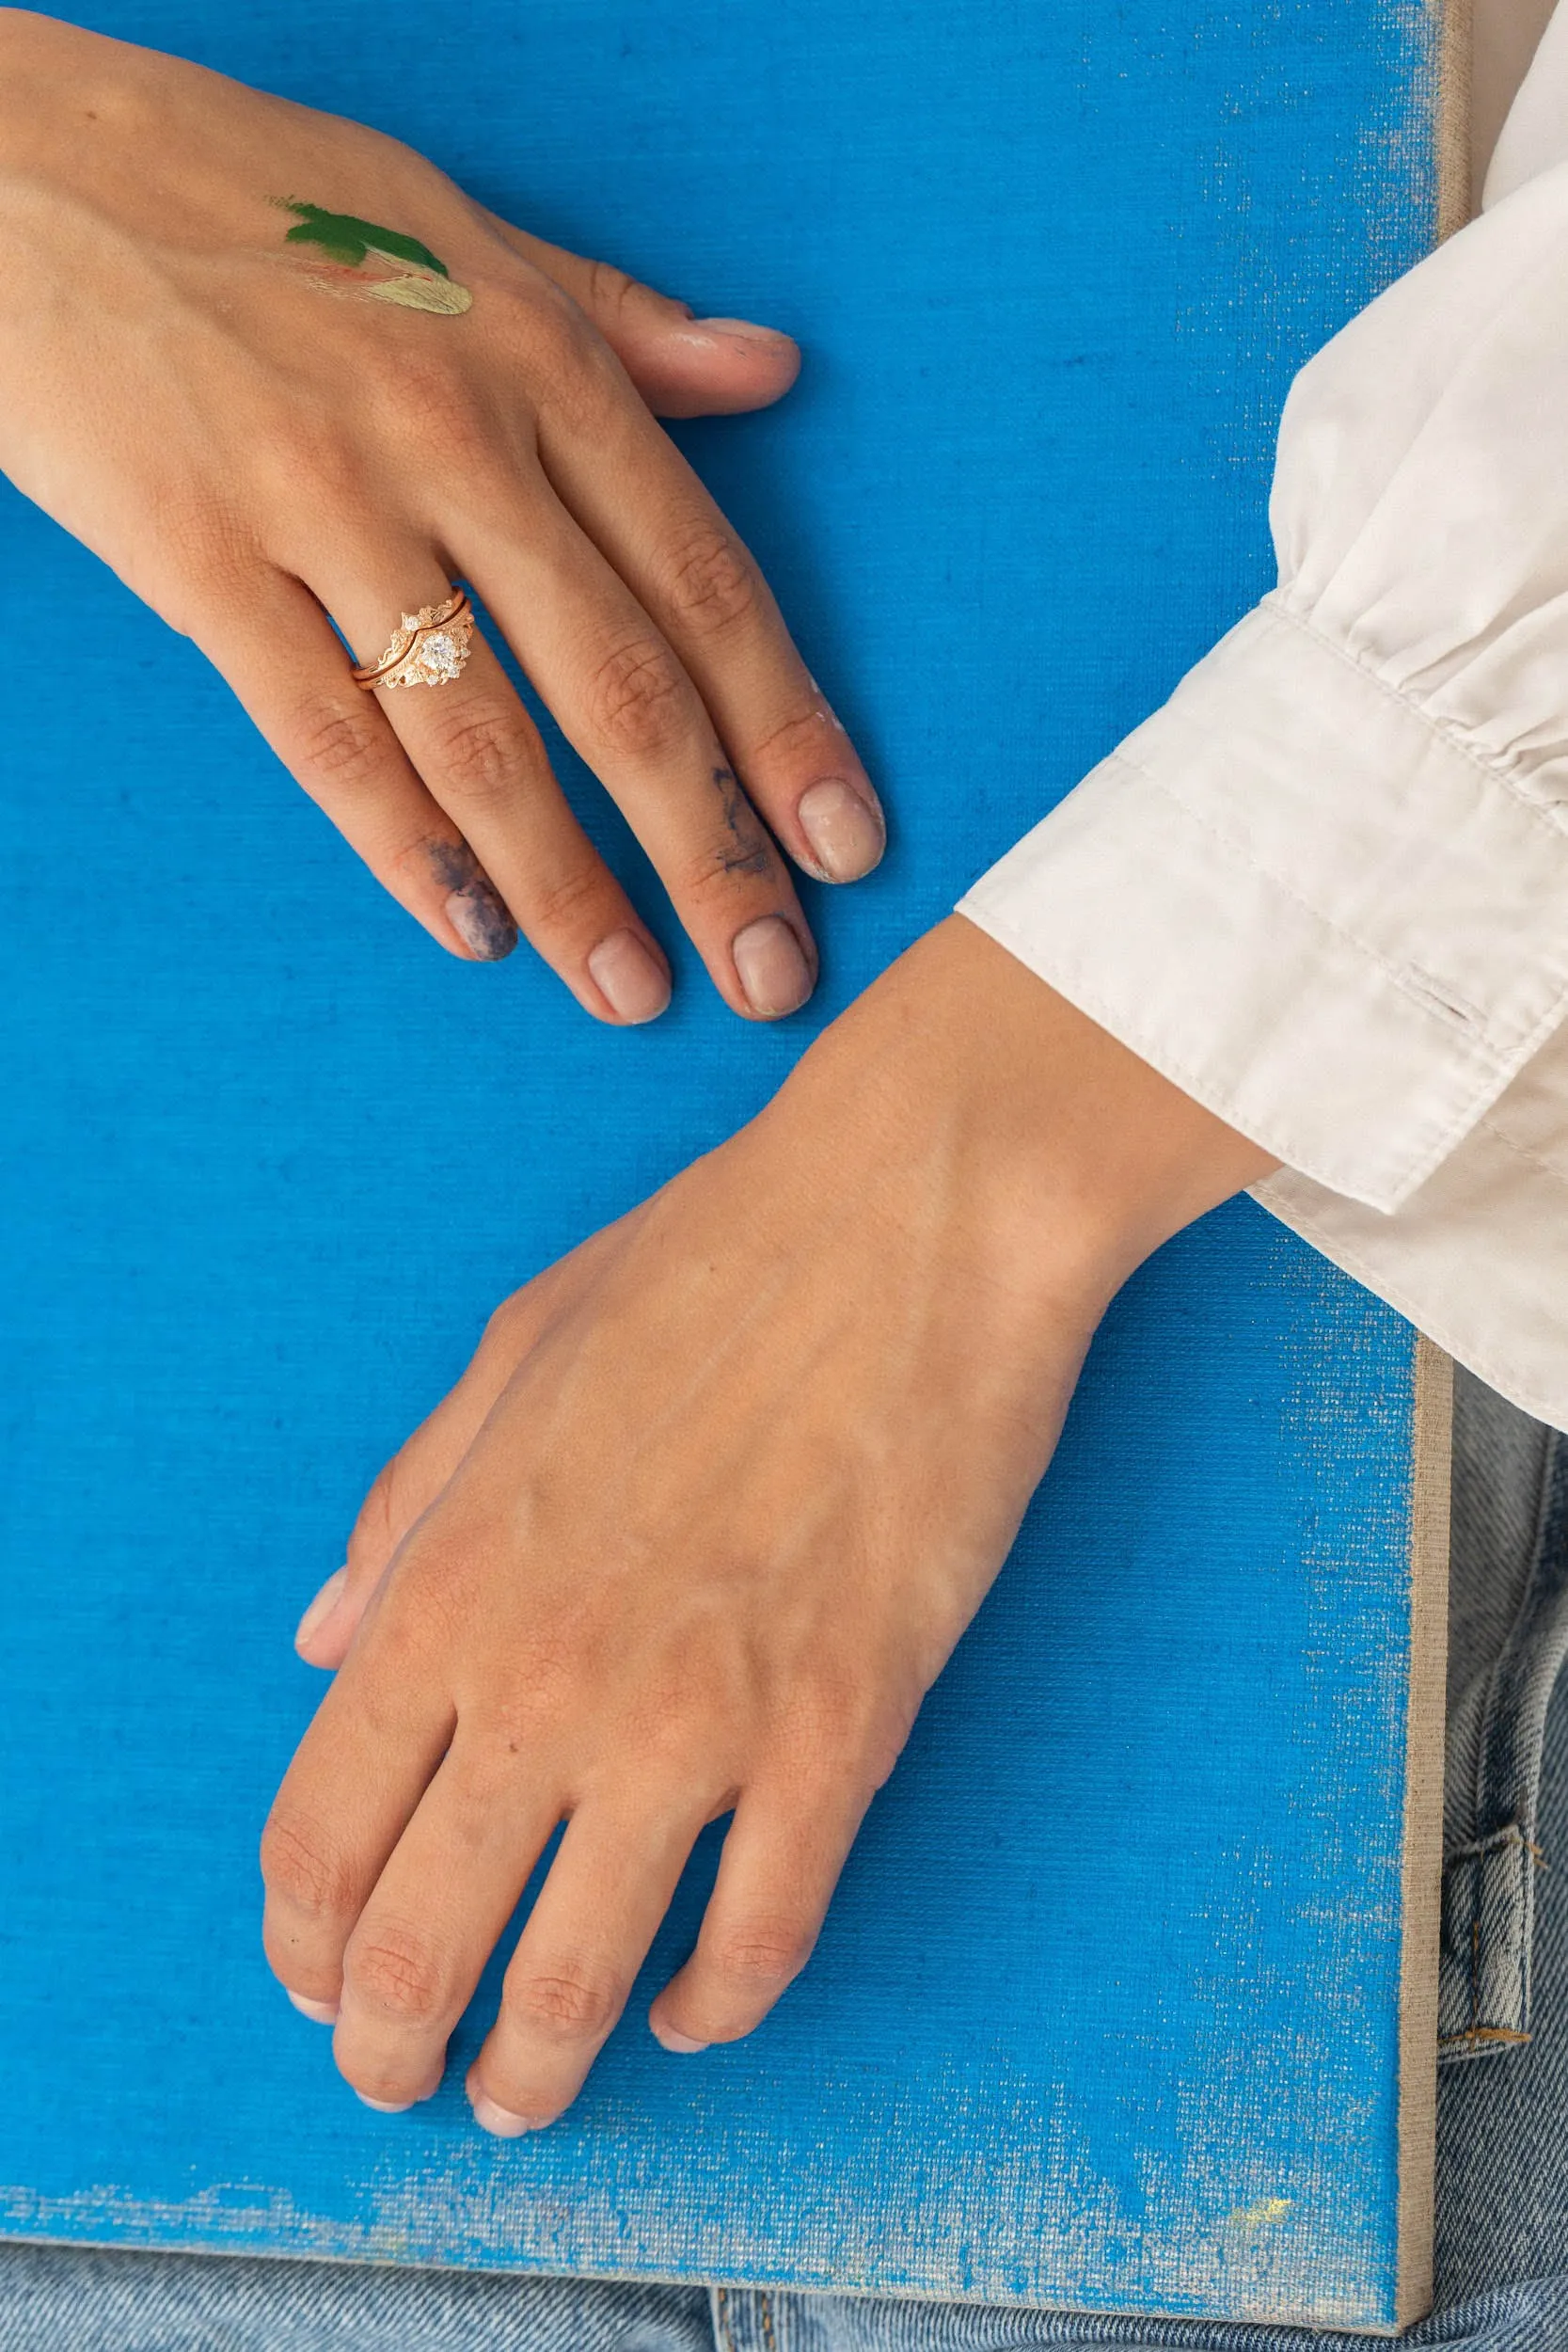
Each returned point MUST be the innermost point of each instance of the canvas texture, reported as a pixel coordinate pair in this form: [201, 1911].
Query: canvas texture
[1502, 2182]
[1106, 2010]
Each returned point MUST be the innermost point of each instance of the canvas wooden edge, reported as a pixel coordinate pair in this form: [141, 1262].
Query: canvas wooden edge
[1454, 34]
[1421, 1888]
[1422, 1874]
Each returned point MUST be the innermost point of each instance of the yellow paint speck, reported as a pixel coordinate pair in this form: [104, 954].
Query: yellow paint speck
[1267, 2210]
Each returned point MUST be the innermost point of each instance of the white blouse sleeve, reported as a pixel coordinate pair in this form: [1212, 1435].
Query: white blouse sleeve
[1326, 888]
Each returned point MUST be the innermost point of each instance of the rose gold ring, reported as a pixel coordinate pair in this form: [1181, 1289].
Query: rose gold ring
[428, 647]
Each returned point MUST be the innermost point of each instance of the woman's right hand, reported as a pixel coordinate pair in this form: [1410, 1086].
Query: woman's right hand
[260, 418]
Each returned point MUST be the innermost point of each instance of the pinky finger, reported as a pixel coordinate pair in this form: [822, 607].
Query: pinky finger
[775, 1881]
[288, 666]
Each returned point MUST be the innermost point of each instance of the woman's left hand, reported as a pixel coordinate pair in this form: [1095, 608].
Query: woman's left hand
[700, 1527]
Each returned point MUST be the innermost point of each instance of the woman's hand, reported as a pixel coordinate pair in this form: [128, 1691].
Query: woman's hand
[700, 1527]
[213, 375]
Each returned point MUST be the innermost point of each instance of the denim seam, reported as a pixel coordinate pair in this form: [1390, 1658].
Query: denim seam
[1511, 1835]
[1492, 1876]
[1509, 1755]
[1476, 2037]
[1493, 1709]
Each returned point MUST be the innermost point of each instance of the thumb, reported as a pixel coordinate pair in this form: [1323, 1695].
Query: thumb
[404, 1490]
[400, 1495]
[683, 366]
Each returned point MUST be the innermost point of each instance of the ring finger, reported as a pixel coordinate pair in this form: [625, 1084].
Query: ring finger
[481, 759]
[279, 653]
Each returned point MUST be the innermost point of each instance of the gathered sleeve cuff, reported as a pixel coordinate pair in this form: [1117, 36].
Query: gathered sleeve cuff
[1315, 909]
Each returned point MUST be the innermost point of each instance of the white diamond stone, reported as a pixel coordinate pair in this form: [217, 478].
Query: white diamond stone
[438, 658]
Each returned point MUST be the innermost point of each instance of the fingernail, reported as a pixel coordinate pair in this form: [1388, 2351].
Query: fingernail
[480, 917]
[501, 2120]
[622, 967]
[732, 331]
[321, 1607]
[319, 2012]
[844, 830]
[385, 2107]
[680, 2043]
[773, 972]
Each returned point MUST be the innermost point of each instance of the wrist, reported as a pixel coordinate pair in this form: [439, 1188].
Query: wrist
[963, 1088]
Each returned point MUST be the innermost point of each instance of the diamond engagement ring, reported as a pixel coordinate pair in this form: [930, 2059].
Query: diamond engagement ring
[428, 647]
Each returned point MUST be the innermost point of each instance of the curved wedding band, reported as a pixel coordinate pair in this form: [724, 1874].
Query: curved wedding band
[428, 647]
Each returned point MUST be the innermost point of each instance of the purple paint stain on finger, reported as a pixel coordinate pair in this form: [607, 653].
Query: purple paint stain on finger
[474, 907]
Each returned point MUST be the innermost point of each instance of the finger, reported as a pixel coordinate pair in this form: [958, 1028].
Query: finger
[401, 1494]
[481, 759]
[682, 365]
[406, 1487]
[628, 707]
[356, 1779]
[279, 653]
[436, 1911]
[780, 1865]
[600, 1910]
[701, 586]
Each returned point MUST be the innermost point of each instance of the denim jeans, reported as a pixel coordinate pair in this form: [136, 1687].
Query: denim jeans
[1502, 2198]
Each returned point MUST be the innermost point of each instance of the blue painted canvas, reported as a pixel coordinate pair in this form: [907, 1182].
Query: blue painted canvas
[1108, 2011]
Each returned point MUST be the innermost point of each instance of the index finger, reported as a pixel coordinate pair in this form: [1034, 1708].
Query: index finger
[356, 1779]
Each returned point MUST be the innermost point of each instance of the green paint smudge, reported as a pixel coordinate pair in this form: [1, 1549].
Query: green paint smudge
[425, 283]
[343, 238]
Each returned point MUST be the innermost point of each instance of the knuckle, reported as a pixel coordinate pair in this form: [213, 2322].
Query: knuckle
[638, 698]
[610, 291]
[821, 1722]
[713, 586]
[568, 355]
[798, 738]
[567, 2003]
[708, 880]
[429, 1593]
[670, 1744]
[711, 875]
[732, 847]
[568, 903]
[321, 470]
[300, 1865]
[482, 753]
[838, 1735]
[338, 742]
[543, 1688]
[427, 401]
[399, 1976]
[761, 1955]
